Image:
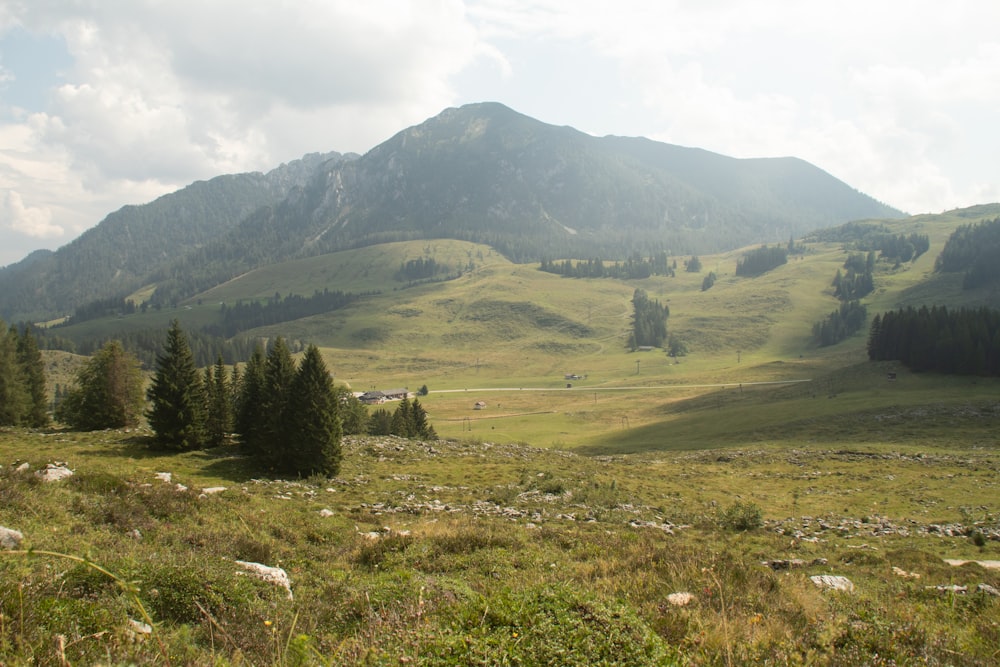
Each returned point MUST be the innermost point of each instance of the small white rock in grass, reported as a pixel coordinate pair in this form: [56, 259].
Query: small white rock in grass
[680, 599]
[139, 628]
[54, 472]
[10, 538]
[325, 513]
[833, 582]
[164, 476]
[211, 491]
[272, 575]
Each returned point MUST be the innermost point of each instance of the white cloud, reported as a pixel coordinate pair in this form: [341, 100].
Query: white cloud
[33, 221]
[896, 98]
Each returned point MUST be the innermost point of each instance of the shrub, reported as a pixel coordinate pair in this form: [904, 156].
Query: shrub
[741, 516]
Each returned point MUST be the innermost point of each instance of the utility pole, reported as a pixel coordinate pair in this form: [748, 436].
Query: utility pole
[637, 366]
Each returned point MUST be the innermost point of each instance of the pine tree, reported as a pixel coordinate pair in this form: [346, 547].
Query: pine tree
[402, 420]
[421, 426]
[312, 420]
[13, 397]
[249, 418]
[177, 410]
[108, 392]
[279, 371]
[219, 420]
[33, 372]
[380, 422]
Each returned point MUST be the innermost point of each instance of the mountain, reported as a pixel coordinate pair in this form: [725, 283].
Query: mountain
[482, 173]
[130, 245]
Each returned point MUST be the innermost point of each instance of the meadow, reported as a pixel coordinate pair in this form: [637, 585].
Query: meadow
[669, 511]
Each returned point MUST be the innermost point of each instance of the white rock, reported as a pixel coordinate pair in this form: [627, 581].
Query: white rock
[139, 628]
[680, 599]
[10, 538]
[833, 582]
[272, 575]
[164, 476]
[325, 513]
[23, 467]
[54, 472]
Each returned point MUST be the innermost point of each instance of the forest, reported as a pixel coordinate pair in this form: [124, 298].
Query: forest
[963, 341]
[974, 249]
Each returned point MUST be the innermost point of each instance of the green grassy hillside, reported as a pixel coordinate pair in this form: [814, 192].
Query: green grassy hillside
[658, 511]
[507, 334]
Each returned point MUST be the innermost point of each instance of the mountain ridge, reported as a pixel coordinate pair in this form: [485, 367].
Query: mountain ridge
[481, 172]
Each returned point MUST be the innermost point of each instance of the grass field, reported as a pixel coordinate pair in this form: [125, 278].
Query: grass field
[558, 524]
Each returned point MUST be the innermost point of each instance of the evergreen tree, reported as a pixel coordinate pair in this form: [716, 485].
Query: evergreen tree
[177, 410]
[108, 392]
[279, 371]
[312, 420]
[421, 426]
[402, 420]
[249, 419]
[33, 371]
[219, 420]
[14, 398]
[380, 422]
[353, 414]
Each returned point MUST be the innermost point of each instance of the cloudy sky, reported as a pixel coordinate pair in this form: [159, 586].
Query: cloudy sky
[111, 102]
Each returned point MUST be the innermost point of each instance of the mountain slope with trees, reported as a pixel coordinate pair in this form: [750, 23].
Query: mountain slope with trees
[482, 172]
[132, 246]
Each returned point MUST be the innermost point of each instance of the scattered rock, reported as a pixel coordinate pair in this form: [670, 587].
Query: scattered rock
[680, 599]
[954, 589]
[325, 513]
[24, 467]
[54, 472]
[10, 538]
[272, 575]
[899, 572]
[211, 491]
[164, 476]
[139, 628]
[833, 582]
[988, 590]
[783, 564]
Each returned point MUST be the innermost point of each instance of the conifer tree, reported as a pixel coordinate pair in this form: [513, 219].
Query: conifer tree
[250, 418]
[13, 397]
[380, 422]
[177, 410]
[312, 420]
[279, 371]
[33, 371]
[219, 420]
[402, 420]
[421, 427]
[108, 392]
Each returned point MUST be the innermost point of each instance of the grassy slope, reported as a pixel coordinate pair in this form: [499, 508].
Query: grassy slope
[511, 326]
[490, 553]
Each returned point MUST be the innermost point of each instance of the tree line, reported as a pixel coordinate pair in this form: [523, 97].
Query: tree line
[287, 416]
[760, 260]
[840, 324]
[649, 321]
[246, 315]
[963, 341]
[974, 249]
[634, 268]
[23, 396]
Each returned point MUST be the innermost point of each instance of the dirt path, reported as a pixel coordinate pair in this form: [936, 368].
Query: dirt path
[988, 564]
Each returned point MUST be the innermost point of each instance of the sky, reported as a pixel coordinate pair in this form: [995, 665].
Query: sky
[105, 103]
